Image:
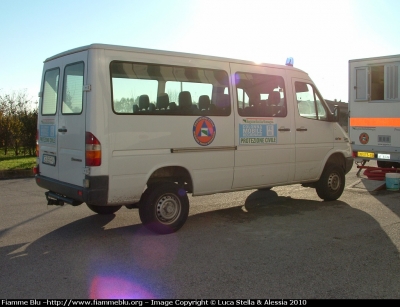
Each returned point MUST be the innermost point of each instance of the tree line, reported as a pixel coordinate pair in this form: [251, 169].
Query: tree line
[18, 123]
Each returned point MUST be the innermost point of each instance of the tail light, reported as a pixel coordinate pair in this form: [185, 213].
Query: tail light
[93, 150]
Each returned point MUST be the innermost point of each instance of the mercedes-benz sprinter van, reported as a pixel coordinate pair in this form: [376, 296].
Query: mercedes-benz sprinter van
[122, 126]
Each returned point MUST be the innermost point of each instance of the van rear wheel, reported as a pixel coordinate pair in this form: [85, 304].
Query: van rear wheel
[164, 208]
[331, 184]
[104, 209]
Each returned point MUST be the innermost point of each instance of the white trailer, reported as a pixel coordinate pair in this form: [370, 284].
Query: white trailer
[374, 110]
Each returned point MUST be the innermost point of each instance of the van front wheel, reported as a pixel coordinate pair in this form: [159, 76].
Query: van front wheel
[104, 209]
[331, 184]
[164, 208]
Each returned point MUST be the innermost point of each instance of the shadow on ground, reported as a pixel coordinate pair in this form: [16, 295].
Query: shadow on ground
[272, 247]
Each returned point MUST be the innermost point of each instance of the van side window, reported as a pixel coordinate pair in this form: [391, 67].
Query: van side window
[260, 95]
[50, 90]
[173, 88]
[151, 89]
[73, 89]
[125, 101]
[309, 102]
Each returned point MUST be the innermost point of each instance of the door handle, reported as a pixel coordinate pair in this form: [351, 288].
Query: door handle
[62, 130]
[301, 129]
[284, 129]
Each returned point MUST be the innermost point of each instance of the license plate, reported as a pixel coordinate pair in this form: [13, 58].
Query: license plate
[384, 156]
[365, 154]
[50, 160]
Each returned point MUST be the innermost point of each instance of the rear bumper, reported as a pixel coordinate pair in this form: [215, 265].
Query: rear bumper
[96, 194]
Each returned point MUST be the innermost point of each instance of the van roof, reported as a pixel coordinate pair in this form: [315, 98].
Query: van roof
[162, 52]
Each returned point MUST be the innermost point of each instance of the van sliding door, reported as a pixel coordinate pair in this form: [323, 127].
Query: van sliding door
[263, 126]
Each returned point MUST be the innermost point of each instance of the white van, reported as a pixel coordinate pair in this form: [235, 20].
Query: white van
[121, 126]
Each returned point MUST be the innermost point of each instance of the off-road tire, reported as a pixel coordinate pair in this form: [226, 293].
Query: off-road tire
[164, 207]
[331, 184]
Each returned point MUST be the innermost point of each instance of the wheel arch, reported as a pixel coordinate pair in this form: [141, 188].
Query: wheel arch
[337, 158]
[177, 174]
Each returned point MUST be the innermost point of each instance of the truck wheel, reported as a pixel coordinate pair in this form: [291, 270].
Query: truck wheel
[384, 164]
[331, 184]
[164, 208]
[104, 209]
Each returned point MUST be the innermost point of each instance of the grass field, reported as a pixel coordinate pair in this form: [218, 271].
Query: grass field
[13, 162]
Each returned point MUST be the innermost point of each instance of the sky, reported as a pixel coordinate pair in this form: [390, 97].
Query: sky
[322, 36]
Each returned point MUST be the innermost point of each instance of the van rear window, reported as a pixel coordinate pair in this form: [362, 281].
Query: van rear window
[50, 89]
[151, 89]
[73, 89]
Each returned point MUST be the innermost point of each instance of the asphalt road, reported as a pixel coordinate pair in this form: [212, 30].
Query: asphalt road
[280, 244]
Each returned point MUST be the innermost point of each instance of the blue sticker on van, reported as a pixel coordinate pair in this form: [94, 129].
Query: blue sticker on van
[47, 134]
[257, 134]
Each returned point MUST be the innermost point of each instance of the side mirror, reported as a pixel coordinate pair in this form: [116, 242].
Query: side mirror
[336, 113]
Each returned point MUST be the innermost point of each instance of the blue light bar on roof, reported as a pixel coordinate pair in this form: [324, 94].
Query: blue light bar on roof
[289, 61]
